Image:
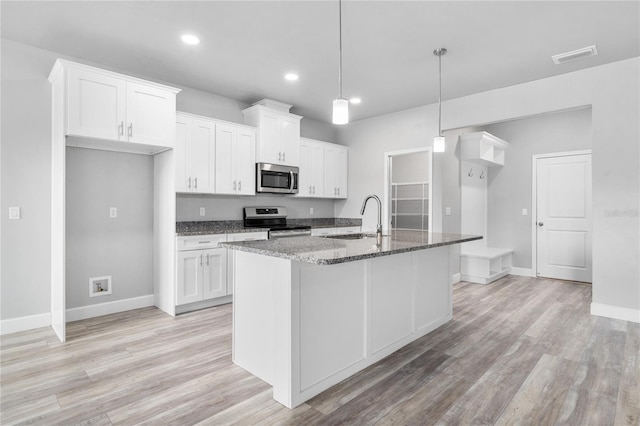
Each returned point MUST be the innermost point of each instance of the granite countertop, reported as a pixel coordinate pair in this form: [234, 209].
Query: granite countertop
[209, 227]
[329, 251]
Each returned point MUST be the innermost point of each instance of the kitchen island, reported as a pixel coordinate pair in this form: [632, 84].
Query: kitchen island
[308, 312]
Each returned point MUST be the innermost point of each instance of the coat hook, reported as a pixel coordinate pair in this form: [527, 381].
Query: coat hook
[482, 174]
[470, 173]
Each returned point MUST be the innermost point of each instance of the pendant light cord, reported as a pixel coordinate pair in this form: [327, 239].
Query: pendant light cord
[440, 95]
[340, 41]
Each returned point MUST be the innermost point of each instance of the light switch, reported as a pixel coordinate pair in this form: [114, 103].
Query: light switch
[447, 211]
[113, 212]
[202, 211]
[14, 213]
[524, 212]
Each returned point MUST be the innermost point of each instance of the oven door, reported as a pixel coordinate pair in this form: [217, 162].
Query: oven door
[274, 178]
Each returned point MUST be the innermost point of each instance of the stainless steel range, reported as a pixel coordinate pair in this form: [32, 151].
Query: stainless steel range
[275, 219]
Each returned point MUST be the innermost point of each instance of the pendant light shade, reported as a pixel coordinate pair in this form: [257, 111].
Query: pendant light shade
[340, 105]
[340, 111]
[438, 141]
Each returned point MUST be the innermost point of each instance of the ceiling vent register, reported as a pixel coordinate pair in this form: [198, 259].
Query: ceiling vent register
[585, 52]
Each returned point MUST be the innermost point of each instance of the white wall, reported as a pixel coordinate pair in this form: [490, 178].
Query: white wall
[98, 245]
[611, 90]
[509, 187]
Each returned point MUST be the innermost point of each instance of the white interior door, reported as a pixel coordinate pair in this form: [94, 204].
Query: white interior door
[563, 217]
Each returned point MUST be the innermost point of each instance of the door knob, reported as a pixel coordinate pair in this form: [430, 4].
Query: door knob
[540, 224]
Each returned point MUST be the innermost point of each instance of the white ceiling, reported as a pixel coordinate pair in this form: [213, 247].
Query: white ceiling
[246, 47]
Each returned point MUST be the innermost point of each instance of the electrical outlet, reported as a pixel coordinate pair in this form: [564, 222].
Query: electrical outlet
[14, 213]
[202, 211]
[447, 211]
[524, 212]
[311, 210]
[113, 212]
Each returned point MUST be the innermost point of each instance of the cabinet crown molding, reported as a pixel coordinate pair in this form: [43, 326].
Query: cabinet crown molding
[63, 64]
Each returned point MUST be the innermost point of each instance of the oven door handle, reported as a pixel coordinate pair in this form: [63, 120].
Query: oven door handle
[290, 180]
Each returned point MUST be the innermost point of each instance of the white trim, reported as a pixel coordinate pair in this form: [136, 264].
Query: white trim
[14, 325]
[522, 272]
[615, 312]
[534, 203]
[387, 174]
[456, 278]
[100, 309]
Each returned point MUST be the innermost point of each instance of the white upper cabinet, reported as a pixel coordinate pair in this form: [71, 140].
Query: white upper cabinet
[114, 107]
[335, 170]
[483, 148]
[235, 160]
[278, 132]
[194, 154]
[311, 176]
[214, 156]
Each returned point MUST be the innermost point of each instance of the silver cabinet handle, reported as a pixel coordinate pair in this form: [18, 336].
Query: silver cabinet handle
[207, 259]
[310, 190]
[189, 182]
[130, 130]
[234, 185]
[279, 156]
[121, 128]
[314, 189]
[338, 190]
[195, 182]
[239, 185]
[284, 156]
[204, 242]
[540, 224]
[201, 260]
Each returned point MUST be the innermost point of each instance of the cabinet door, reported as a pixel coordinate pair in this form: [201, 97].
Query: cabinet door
[341, 169]
[335, 171]
[305, 176]
[226, 140]
[246, 162]
[201, 156]
[190, 276]
[150, 115]
[269, 146]
[215, 273]
[290, 140]
[180, 152]
[330, 181]
[96, 105]
[317, 169]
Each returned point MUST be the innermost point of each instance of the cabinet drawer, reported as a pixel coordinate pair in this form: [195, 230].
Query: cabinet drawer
[247, 236]
[197, 242]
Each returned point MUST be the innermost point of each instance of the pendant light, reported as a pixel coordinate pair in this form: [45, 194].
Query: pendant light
[340, 105]
[438, 141]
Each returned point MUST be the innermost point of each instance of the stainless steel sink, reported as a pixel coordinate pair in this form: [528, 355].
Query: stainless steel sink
[351, 236]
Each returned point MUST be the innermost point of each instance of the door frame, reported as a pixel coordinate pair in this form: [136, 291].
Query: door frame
[534, 201]
[387, 184]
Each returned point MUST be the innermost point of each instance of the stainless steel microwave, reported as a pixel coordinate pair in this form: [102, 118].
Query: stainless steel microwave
[275, 178]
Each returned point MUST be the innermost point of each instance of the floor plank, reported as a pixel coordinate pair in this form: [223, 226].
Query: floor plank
[518, 350]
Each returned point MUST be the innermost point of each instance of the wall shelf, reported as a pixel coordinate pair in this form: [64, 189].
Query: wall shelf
[483, 148]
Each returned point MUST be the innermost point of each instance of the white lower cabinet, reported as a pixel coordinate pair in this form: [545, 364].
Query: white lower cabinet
[201, 268]
[204, 270]
[202, 274]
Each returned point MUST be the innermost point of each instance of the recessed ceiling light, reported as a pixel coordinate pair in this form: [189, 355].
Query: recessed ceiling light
[190, 39]
[355, 100]
[575, 54]
[291, 76]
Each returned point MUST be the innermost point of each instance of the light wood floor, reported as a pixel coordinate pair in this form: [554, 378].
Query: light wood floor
[518, 351]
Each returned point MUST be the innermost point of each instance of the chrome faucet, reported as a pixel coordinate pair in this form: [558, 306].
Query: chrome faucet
[379, 227]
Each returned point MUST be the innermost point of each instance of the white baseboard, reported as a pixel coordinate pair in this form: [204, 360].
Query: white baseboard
[14, 325]
[522, 272]
[100, 309]
[615, 312]
[455, 278]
